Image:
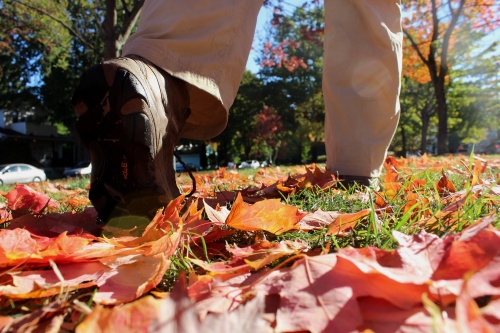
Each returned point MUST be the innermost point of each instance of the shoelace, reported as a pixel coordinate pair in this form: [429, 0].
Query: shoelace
[189, 172]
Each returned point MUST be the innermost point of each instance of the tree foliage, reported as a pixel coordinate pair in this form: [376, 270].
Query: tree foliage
[291, 68]
[268, 133]
[45, 45]
[236, 140]
[434, 30]
[449, 70]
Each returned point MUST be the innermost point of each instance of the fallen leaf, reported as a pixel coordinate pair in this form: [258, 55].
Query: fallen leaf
[44, 283]
[46, 319]
[491, 313]
[382, 316]
[129, 277]
[135, 317]
[269, 215]
[445, 186]
[347, 221]
[216, 215]
[468, 314]
[317, 220]
[23, 199]
[261, 254]
[5, 321]
[51, 225]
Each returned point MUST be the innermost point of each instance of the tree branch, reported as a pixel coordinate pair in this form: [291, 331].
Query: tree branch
[130, 20]
[415, 46]
[64, 24]
[432, 65]
[447, 35]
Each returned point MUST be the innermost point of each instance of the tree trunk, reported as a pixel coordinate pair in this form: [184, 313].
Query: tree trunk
[442, 112]
[114, 36]
[425, 129]
[108, 30]
[404, 149]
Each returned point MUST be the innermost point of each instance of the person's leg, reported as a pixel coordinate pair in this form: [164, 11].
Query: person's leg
[206, 44]
[361, 84]
[178, 77]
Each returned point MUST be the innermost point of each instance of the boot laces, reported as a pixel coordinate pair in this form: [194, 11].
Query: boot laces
[189, 172]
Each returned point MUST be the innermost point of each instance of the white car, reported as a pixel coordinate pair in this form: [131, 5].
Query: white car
[254, 164]
[20, 173]
[79, 170]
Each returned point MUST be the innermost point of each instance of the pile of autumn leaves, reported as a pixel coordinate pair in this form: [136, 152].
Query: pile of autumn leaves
[53, 264]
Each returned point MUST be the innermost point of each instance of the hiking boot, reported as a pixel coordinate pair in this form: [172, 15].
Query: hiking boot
[130, 114]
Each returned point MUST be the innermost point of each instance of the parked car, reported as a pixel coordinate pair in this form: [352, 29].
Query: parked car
[81, 169]
[254, 164]
[180, 168]
[20, 173]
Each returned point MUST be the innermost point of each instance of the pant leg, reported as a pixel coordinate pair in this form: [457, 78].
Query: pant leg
[205, 43]
[361, 83]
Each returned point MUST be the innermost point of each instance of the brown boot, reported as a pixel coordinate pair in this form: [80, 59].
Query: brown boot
[130, 115]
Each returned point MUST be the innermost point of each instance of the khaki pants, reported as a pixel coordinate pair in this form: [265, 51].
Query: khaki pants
[206, 43]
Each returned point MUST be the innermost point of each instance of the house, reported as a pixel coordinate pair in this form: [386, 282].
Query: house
[21, 140]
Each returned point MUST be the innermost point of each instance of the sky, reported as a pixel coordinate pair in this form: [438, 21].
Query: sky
[263, 19]
[265, 16]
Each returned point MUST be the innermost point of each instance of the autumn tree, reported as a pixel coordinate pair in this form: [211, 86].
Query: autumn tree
[433, 29]
[474, 91]
[235, 142]
[119, 19]
[291, 68]
[417, 110]
[27, 43]
[267, 134]
[47, 44]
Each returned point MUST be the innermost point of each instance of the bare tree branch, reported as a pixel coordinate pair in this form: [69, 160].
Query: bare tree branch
[130, 20]
[449, 31]
[415, 46]
[64, 24]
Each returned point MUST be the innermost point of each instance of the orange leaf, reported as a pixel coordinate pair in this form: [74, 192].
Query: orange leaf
[129, 277]
[262, 254]
[5, 320]
[469, 255]
[347, 221]
[445, 185]
[316, 177]
[269, 215]
[478, 169]
[44, 283]
[15, 245]
[222, 270]
[134, 317]
[391, 175]
[391, 189]
[419, 205]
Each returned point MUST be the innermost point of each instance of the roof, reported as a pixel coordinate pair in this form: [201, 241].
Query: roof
[9, 133]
